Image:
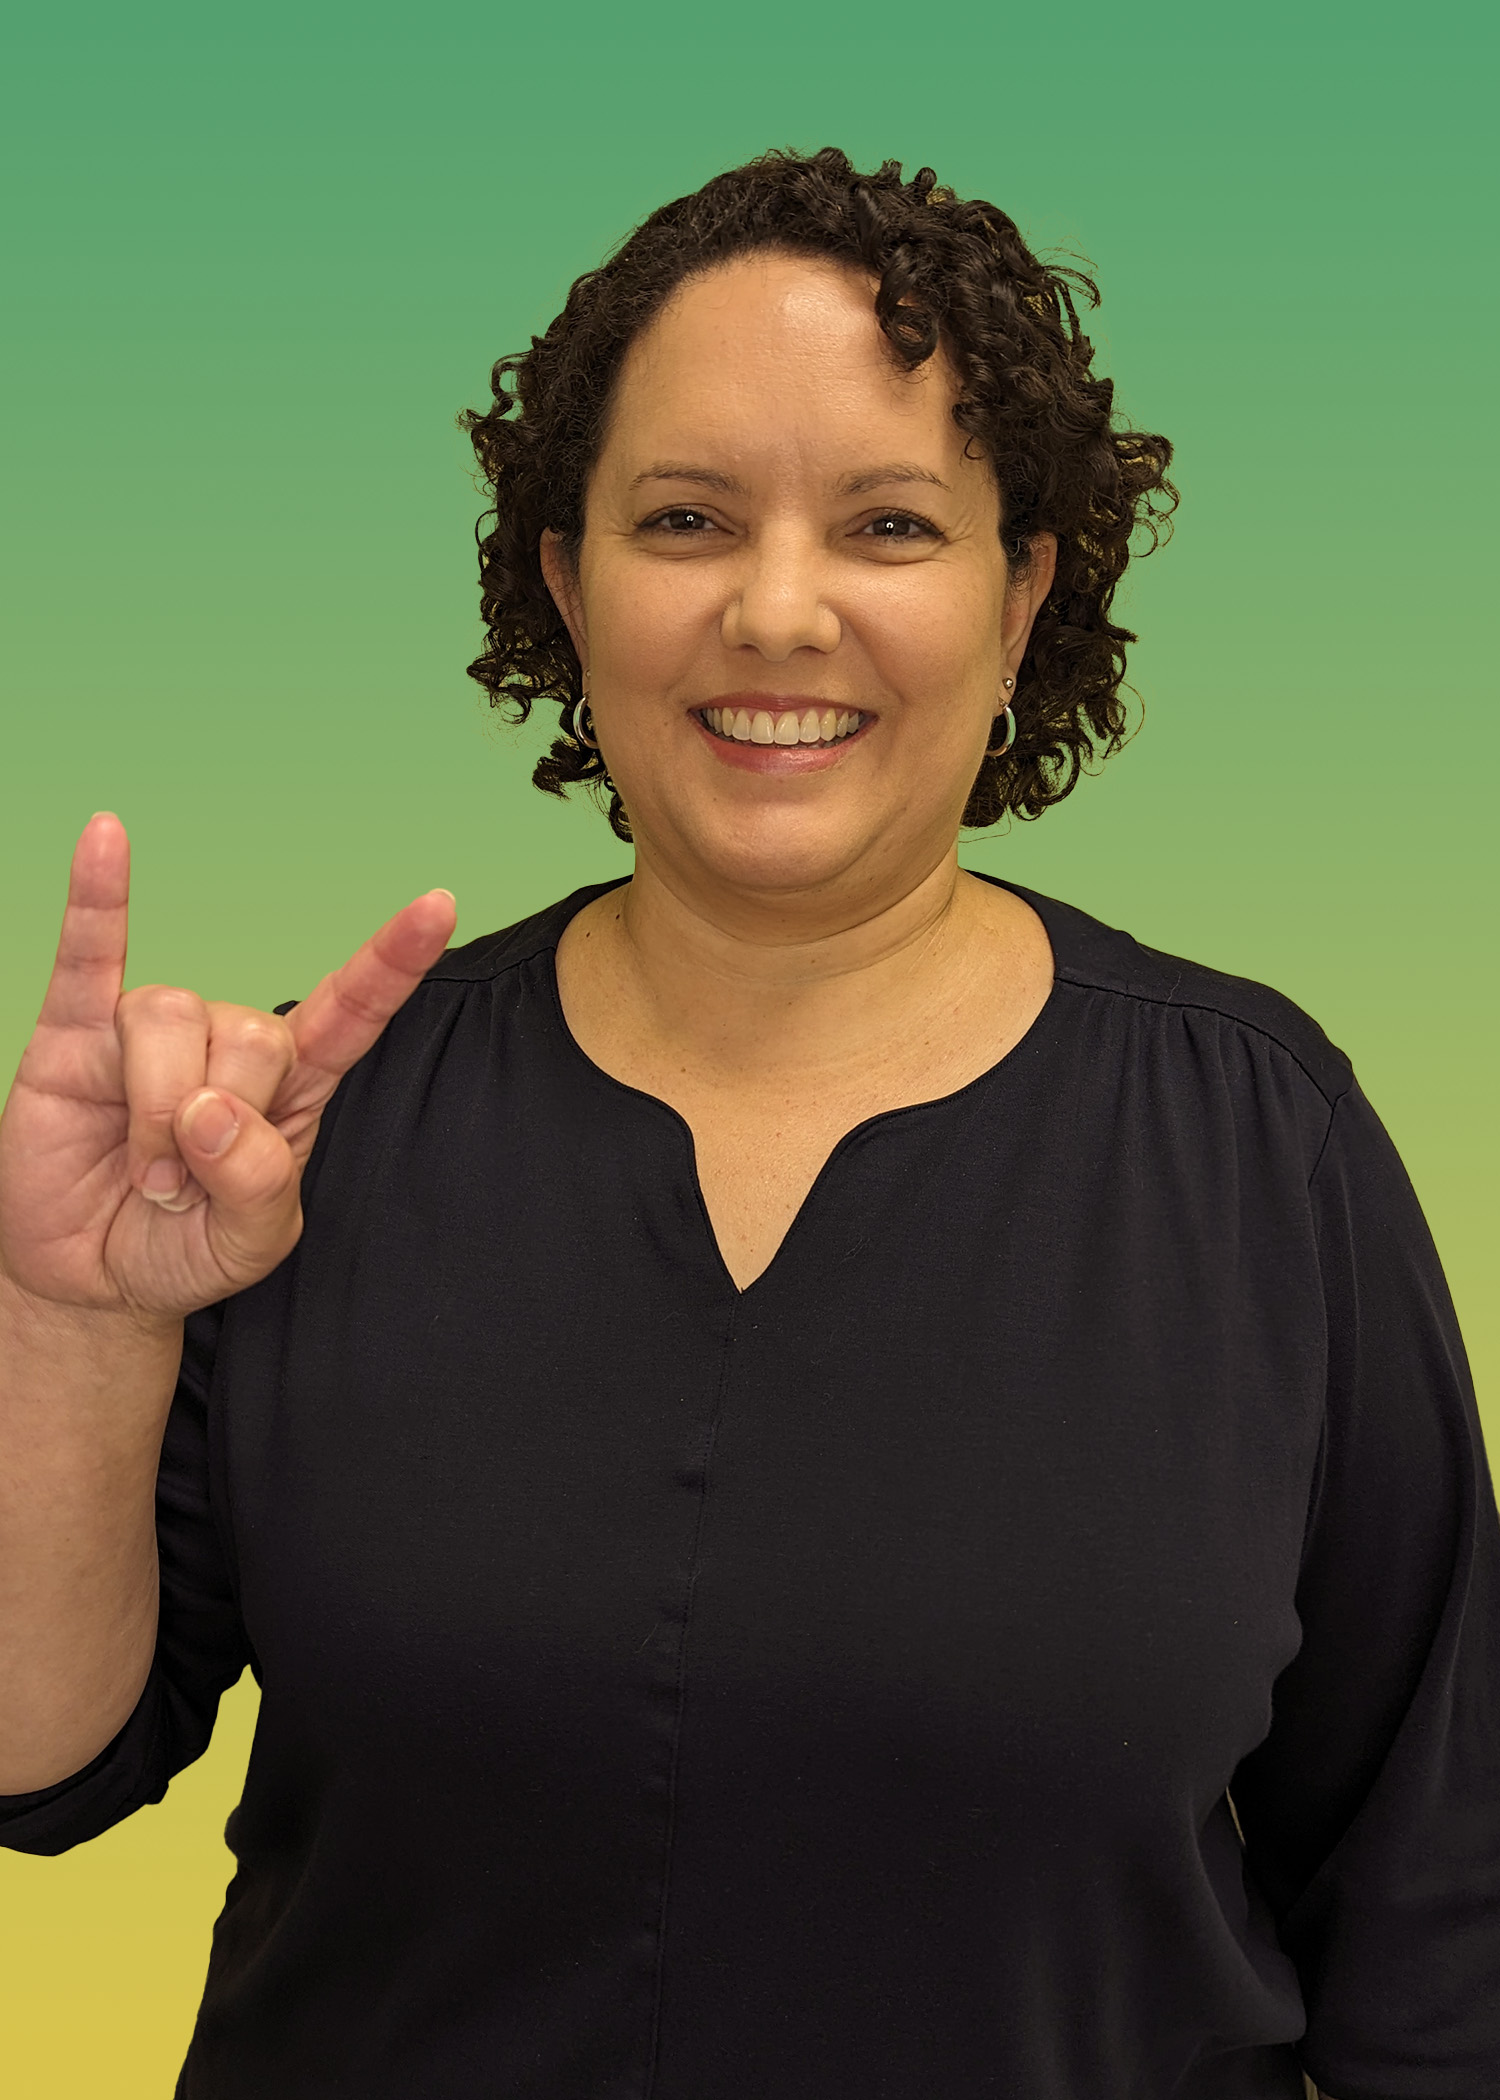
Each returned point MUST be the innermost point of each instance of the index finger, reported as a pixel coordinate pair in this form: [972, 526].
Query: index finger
[340, 1019]
[89, 972]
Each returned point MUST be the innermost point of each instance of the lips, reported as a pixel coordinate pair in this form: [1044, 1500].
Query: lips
[781, 735]
[806, 726]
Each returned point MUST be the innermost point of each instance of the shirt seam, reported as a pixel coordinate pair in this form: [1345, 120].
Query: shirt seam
[1333, 1109]
[1068, 974]
[1065, 973]
[1315, 1494]
[437, 975]
[544, 941]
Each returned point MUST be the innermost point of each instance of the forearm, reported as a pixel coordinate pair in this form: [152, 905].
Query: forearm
[84, 1398]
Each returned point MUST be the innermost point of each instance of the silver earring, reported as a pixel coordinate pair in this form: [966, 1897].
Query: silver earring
[1009, 684]
[580, 734]
[999, 750]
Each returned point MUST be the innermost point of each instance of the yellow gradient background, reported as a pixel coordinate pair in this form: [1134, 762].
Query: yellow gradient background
[261, 257]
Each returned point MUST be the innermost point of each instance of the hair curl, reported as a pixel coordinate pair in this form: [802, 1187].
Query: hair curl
[952, 273]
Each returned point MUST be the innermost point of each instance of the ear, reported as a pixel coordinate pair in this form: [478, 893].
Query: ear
[562, 581]
[1025, 596]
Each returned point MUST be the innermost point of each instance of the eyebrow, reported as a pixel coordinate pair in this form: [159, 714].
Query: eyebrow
[893, 471]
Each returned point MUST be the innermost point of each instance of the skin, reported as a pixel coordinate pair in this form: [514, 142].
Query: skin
[798, 948]
[780, 511]
[151, 1156]
[796, 951]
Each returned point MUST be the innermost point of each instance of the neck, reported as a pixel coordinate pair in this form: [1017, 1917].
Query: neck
[781, 943]
[753, 991]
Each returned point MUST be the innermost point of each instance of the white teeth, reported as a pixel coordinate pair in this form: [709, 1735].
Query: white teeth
[814, 726]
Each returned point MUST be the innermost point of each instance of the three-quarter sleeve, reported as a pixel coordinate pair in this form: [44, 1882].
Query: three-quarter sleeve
[1371, 1812]
[201, 1648]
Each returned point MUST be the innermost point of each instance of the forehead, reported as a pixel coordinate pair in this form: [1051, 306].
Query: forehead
[777, 353]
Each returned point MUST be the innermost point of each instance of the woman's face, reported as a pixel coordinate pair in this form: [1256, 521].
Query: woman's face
[784, 541]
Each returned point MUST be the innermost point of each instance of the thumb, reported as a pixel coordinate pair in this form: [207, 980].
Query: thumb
[252, 1181]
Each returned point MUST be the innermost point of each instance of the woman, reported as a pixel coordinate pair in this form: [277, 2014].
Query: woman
[781, 1436]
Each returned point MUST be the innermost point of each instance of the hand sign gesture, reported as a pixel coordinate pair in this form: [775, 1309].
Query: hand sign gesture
[152, 1148]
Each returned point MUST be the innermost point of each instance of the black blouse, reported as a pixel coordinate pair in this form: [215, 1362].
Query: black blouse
[829, 1691]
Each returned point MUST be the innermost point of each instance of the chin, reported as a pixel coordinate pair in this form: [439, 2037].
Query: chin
[777, 853]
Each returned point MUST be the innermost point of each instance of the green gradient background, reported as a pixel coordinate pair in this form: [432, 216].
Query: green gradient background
[261, 263]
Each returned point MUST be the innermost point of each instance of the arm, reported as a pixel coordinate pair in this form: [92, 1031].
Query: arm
[1371, 1812]
[151, 1155]
[82, 1410]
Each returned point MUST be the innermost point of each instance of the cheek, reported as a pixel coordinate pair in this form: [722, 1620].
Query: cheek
[933, 635]
[651, 619]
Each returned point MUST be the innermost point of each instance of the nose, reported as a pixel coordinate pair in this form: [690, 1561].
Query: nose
[778, 606]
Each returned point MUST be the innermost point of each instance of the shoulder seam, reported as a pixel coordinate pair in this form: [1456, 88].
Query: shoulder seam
[1333, 1109]
[1071, 975]
[549, 924]
[437, 974]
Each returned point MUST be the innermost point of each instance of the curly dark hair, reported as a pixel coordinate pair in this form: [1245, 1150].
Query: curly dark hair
[953, 274]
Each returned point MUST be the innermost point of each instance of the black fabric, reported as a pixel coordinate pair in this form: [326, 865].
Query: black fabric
[829, 1692]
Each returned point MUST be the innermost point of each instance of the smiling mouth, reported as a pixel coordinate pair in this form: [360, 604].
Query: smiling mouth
[808, 725]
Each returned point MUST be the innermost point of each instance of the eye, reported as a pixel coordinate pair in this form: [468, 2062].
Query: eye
[899, 528]
[682, 523]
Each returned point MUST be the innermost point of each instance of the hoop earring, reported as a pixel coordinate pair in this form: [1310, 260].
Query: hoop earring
[999, 750]
[580, 734]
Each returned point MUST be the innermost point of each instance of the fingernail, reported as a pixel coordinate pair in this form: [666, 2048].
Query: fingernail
[162, 1180]
[209, 1123]
[443, 893]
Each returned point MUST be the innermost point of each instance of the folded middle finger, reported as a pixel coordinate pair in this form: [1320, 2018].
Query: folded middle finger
[249, 1052]
[163, 1035]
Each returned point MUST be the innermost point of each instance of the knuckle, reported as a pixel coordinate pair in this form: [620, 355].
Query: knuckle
[251, 1035]
[266, 1038]
[356, 999]
[151, 1117]
[258, 1171]
[162, 1006]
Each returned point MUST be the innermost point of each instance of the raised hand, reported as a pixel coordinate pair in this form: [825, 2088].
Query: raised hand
[152, 1148]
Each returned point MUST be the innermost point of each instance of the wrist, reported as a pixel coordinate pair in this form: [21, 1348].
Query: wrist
[32, 1318]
